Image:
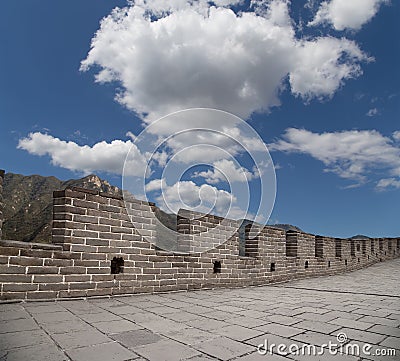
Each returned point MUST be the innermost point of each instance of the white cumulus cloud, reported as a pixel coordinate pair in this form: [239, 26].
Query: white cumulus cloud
[351, 154]
[347, 14]
[155, 185]
[169, 56]
[102, 156]
[319, 69]
[226, 170]
[396, 135]
[187, 194]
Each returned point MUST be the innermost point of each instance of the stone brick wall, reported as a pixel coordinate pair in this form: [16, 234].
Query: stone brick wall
[1, 200]
[92, 230]
[200, 232]
[90, 222]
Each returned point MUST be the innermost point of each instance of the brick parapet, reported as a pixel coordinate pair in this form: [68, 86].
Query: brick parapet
[199, 232]
[91, 228]
[87, 220]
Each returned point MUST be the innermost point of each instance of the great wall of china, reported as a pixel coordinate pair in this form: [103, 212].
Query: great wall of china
[97, 252]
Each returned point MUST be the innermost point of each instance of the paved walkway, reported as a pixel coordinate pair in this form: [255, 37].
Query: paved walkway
[362, 306]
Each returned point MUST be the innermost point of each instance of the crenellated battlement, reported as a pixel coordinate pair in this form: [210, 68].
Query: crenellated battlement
[97, 251]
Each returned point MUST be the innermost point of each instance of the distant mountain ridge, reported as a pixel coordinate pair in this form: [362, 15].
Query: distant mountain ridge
[286, 227]
[360, 236]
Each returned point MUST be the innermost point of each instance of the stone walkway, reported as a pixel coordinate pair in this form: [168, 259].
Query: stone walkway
[362, 306]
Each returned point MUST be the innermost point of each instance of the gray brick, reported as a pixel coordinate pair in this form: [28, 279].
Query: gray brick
[12, 269]
[20, 287]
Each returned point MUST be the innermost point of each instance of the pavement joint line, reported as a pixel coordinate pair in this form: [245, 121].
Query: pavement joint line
[48, 334]
[179, 309]
[344, 292]
[95, 344]
[101, 343]
[160, 334]
[174, 340]
[92, 325]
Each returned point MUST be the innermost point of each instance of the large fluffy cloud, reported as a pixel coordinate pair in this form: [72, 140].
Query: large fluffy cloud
[102, 156]
[174, 55]
[347, 14]
[350, 154]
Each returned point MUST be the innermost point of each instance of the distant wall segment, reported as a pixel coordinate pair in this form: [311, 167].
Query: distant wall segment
[97, 252]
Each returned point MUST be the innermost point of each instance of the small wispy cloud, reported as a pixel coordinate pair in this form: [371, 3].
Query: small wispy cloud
[388, 183]
[372, 112]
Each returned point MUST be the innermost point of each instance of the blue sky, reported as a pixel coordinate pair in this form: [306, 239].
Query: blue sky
[317, 81]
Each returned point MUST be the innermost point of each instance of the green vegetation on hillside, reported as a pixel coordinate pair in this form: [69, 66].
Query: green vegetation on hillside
[28, 202]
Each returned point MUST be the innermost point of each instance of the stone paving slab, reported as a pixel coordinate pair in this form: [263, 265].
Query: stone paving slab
[103, 316]
[317, 326]
[111, 351]
[14, 340]
[191, 336]
[386, 330]
[80, 339]
[287, 320]
[166, 350]
[344, 322]
[14, 315]
[360, 335]
[280, 330]
[55, 317]
[20, 324]
[222, 324]
[380, 321]
[132, 339]
[40, 352]
[391, 342]
[223, 348]
[67, 326]
[206, 324]
[238, 333]
[109, 327]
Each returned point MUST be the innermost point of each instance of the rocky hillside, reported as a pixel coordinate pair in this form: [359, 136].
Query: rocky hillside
[28, 203]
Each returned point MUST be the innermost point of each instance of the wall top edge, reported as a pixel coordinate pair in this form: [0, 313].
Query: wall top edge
[29, 245]
[64, 193]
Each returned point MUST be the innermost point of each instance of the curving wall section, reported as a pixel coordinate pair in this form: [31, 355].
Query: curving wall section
[97, 252]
